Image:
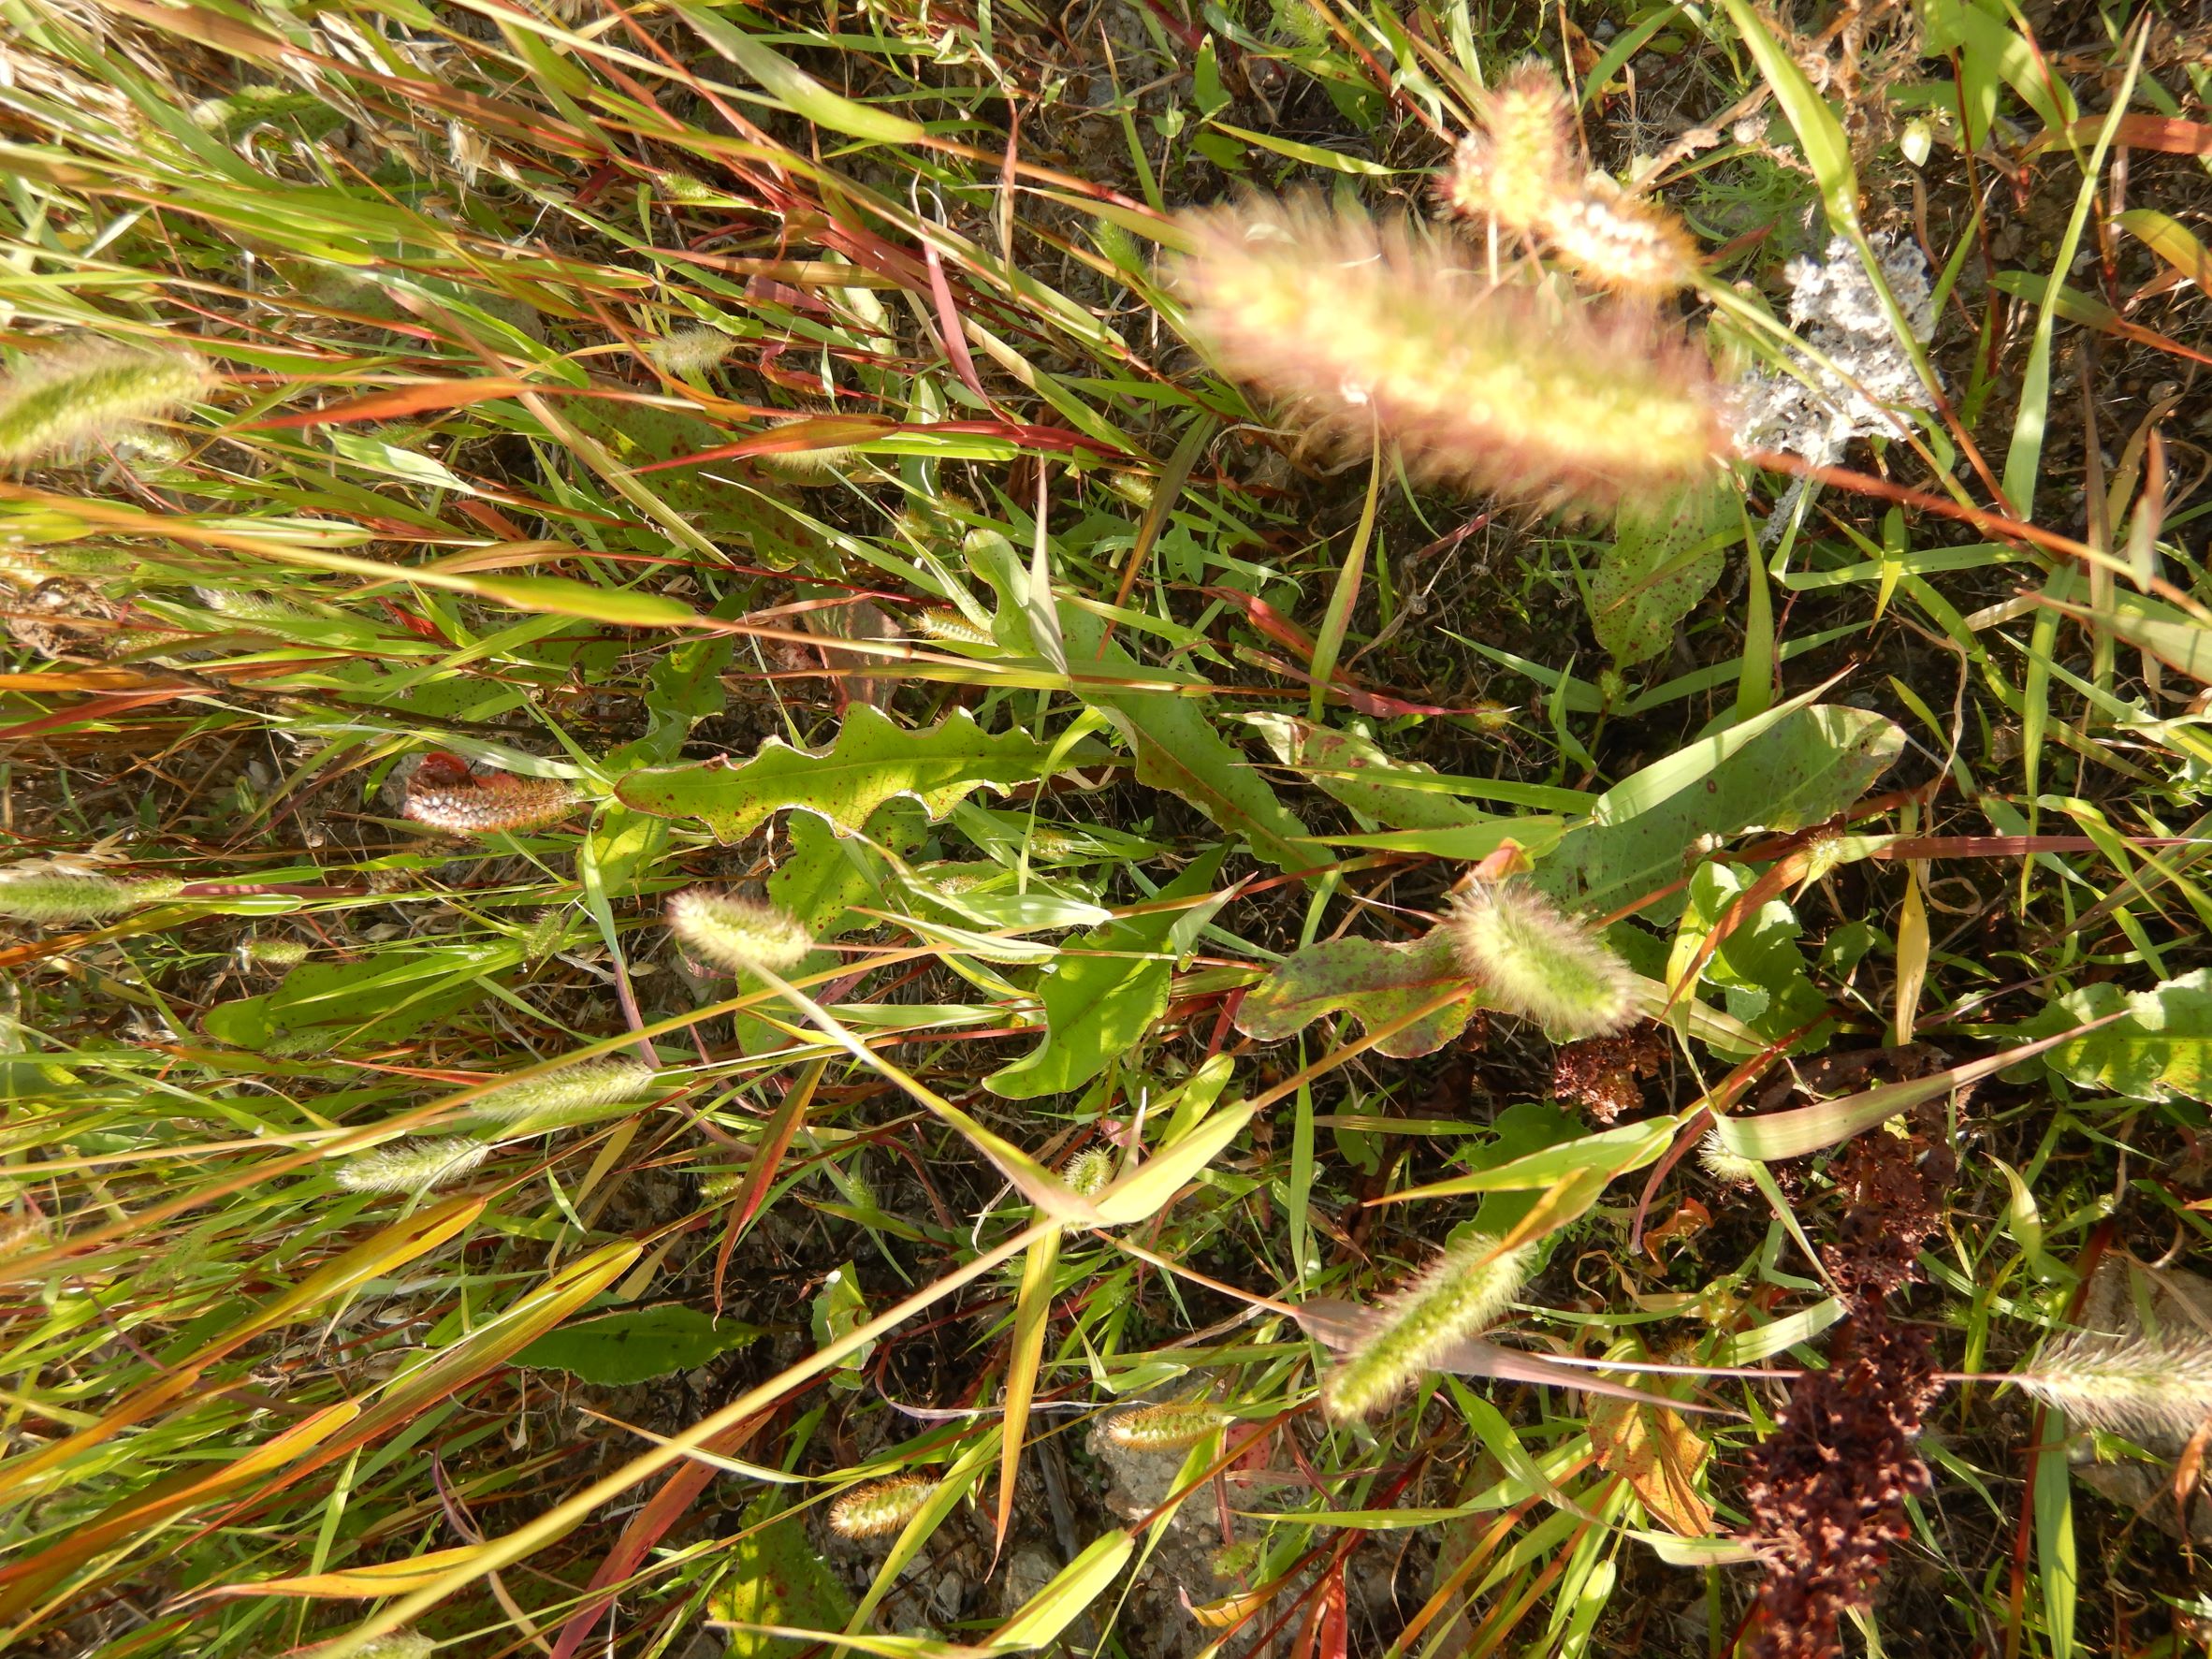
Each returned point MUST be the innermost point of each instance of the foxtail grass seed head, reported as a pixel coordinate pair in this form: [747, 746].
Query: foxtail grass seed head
[65, 402]
[734, 932]
[1461, 1293]
[808, 466]
[1522, 160]
[1527, 393]
[880, 1507]
[717, 1186]
[1170, 1426]
[1612, 239]
[1729, 1168]
[949, 626]
[1087, 1172]
[578, 1091]
[480, 807]
[412, 1166]
[691, 351]
[399, 1644]
[2148, 1388]
[1534, 962]
[60, 897]
[277, 955]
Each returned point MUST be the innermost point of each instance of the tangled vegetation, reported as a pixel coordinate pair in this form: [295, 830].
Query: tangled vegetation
[1148, 829]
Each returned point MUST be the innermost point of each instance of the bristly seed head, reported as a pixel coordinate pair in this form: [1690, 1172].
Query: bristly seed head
[412, 1166]
[578, 1091]
[1534, 962]
[400, 1644]
[935, 622]
[691, 351]
[1616, 241]
[2144, 1387]
[1170, 1426]
[482, 807]
[1732, 1169]
[736, 933]
[1462, 1292]
[63, 402]
[55, 898]
[1087, 1172]
[1524, 158]
[1527, 393]
[882, 1507]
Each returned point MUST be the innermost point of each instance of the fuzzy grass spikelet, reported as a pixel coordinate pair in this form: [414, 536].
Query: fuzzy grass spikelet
[1087, 1172]
[578, 1091]
[1524, 158]
[1612, 239]
[60, 897]
[882, 1507]
[1462, 1292]
[2147, 1389]
[412, 1166]
[1170, 1426]
[1525, 393]
[1534, 962]
[277, 955]
[481, 810]
[1730, 1168]
[691, 351]
[950, 626]
[65, 402]
[734, 932]
[400, 1644]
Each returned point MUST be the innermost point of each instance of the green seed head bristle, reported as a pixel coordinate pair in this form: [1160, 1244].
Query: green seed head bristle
[1170, 1426]
[1462, 1292]
[65, 402]
[1088, 1170]
[412, 1166]
[486, 808]
[1531, 961]
[691, 351]
[736, 933]
[949, 626]
[2148, 1388]
[275, 954]
[57, 897]
[1723, 1165]
[577, 1092]
[718, 1187]
[882, 1507]
[808, 466]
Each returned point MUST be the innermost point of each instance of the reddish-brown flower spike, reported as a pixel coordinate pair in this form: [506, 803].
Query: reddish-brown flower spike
[1523, 392]
[446, 795]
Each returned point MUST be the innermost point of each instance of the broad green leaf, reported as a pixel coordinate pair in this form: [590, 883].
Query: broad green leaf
[326, 1006]
[1098, 1007]
[636, 1345]
[873, 760]
[2159, 1048]
[1372, 981]
[1378, 790]
[1145, 1190]
[1663, 561]
[1803, 771]
[774, 1577]
[1689, 766]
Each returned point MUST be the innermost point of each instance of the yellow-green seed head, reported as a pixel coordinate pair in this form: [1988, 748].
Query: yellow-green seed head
[1522, 160]
[65, 402]
[275, 954]
[412, 1166]
[576, 1092]
[1615, 240]
[2148, 1388]
[736, 933]
[880, 1507]
[61, 897]
[1510, 390]
[949, 626]
[400, 1644]
[1531, 961]
[691, 351]
[1461, 1293]
[1731, 1169]
[1170, 1426]
[1087, 1172]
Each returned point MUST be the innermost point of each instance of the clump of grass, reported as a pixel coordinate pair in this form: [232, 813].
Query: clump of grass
[1526, 394]
[1535, 962]
[736, 933]
[880, 1507]
[412, 1166]
[70, 398]
[1462, 1292]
